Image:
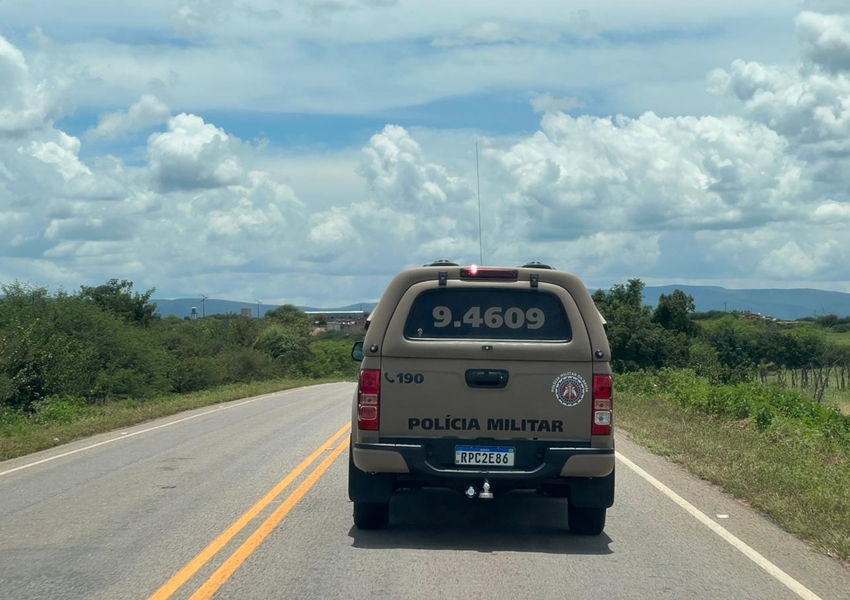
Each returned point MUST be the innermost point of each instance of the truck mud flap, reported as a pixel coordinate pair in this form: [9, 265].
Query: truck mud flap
[597, 492]
[368, 487]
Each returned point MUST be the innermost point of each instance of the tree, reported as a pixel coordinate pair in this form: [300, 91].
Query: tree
[636, 342]
[289, 349]
[737, 348]
[828, 320]
[118, 298]
[331, 358]
[68, 346]
[673, 312]
[291, 318]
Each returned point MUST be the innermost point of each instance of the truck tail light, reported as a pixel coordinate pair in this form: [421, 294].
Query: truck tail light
[603, 397]
[369, 400]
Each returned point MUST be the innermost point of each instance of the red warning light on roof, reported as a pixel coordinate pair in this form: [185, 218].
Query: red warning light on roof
[475, 272]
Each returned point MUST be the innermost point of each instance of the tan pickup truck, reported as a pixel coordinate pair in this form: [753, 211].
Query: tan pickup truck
[484, 380]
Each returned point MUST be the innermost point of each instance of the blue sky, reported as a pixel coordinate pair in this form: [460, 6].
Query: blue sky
[241, 147]
[497, 114]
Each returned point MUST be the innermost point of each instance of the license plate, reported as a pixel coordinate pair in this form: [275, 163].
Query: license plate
[489, 456]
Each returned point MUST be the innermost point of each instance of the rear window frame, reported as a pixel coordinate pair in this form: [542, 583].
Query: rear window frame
[477, 288]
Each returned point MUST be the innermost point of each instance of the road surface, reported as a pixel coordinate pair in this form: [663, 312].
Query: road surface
[248, 500]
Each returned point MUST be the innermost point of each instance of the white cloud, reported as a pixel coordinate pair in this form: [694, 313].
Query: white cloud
[415, 207]
[493, 32]
[759, 194]
[62, 153]
[832, 213]
[648, 174]
[271, 56]
[791, 261]
[206, 202]
[26, 101]
[825, 39]
[197, 13]
[325, 8]
[193, 154]
[547, 103]
[808, 104]
[583, 25]
[148, 112]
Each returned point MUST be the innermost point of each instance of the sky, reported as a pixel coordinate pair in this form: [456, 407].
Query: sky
[305, 151]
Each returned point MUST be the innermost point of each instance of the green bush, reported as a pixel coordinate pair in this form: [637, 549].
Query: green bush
[764, 406]
[248, 364]
[195, 373]
[288, 348]
[60, 409]
[331, 358]
[63, 355]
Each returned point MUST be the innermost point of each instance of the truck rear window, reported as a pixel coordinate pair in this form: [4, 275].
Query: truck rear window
[488, 314]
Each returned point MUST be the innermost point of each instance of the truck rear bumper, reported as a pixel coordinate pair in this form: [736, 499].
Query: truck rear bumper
[536, 462]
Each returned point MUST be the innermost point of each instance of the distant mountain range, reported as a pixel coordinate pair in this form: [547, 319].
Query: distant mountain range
[182, 307]
[782, 304]
[779, 303]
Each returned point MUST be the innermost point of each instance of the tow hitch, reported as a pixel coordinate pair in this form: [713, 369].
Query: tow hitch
[485, 494]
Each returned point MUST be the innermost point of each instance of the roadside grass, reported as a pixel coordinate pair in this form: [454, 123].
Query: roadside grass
[65, 420]
[832, 396]
[839, 339]
[799, 479]
[839, 398]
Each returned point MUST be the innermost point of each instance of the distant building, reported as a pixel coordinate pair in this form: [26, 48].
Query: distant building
[348, 321]
[347, 326]
[245, 312]
[335, 315]
[754, 316]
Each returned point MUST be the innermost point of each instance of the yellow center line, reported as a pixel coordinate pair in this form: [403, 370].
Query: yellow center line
[225, 571]
[221, 541]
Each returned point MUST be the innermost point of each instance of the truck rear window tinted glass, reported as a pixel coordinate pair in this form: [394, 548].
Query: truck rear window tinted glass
[488, 314]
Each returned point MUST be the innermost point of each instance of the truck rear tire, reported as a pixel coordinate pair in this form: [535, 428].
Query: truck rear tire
[371, 515]
[586, 521]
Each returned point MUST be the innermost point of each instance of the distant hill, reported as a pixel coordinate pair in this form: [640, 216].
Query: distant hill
[781, 304]
[364, 306]
[182, 307]
[788, 304]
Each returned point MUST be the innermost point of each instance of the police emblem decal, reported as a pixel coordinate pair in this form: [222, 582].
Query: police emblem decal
[569, 388]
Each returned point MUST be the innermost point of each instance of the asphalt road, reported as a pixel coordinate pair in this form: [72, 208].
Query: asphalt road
[164, 510]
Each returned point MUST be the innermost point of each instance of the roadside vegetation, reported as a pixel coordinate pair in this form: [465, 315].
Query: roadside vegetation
[761, 408]
[790, 470]
[74, 364]
[757, 407]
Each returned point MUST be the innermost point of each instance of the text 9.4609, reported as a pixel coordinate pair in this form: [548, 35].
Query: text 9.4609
[494, 317]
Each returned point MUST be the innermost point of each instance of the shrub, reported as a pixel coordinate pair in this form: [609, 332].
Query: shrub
[764, 406]
[59, 409]
[331, 358]
[196, 373]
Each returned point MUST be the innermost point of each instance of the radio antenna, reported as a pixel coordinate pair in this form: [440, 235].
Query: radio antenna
[478, 183]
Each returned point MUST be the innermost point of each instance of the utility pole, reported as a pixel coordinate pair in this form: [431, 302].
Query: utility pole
[258, 309]
[203, 306]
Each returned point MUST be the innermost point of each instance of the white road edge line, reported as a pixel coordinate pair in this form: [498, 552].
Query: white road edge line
[777, 573]
[124, 436]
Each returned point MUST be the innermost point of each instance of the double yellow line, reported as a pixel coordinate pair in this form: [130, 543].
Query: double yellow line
[226, 570]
